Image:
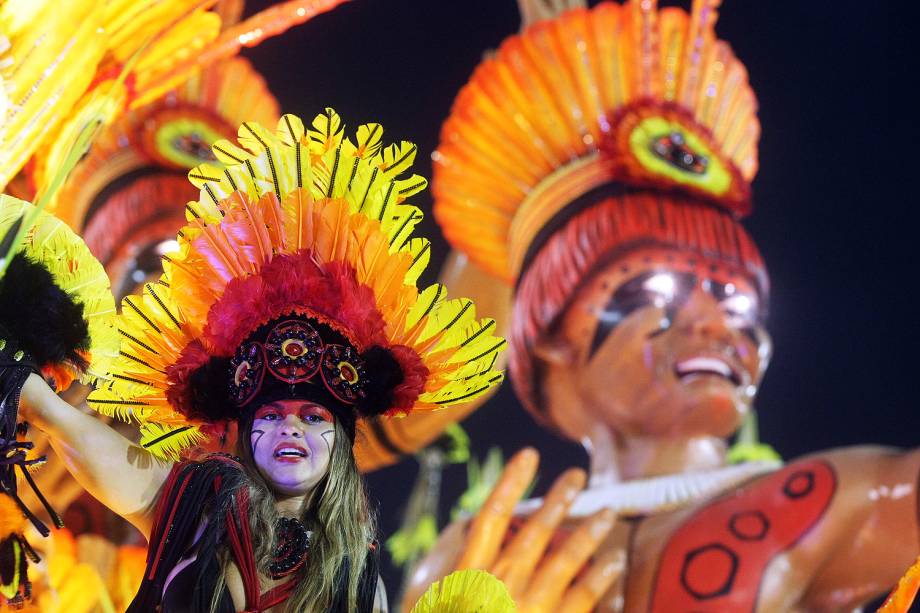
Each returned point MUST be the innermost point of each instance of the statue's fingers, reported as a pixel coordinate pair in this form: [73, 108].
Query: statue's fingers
[586, 593]
[517, 562]
[556, 572]
[488, 528]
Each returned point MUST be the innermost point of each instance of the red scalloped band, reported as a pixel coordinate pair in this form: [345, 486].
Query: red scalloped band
[289, 283]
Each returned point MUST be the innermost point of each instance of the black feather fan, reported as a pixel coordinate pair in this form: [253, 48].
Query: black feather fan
[43, 320]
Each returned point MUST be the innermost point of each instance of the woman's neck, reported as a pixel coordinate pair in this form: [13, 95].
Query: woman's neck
[290, 506]
[616, 458]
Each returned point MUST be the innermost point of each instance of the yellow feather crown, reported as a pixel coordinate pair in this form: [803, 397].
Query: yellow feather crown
[274, 195]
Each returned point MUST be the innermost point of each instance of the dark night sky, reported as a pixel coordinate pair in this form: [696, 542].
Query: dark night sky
[825, 221]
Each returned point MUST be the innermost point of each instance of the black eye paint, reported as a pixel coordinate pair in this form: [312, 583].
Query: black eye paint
[255, 443]
[328, 444]
[627, 298]
[667, 318]
[635, 294]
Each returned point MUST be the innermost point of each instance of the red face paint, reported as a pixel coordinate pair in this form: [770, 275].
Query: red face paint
[306, 411]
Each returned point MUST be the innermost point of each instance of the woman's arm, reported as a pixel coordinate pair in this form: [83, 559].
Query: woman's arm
[121, 475]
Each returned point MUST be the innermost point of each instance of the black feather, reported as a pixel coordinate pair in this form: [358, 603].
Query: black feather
[384, 374]
[6, 243]
[210, 391]
[43, 320]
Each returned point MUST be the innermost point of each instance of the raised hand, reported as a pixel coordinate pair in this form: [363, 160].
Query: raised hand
[540, 580]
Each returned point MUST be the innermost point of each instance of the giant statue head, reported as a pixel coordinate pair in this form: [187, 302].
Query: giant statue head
[599, 164]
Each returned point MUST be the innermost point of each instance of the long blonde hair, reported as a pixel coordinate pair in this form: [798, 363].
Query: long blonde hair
[336, 512]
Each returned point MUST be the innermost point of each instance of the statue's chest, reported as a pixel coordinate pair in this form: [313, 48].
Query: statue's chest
[721, 556]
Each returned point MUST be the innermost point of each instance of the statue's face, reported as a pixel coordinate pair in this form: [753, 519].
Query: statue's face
[657, 343]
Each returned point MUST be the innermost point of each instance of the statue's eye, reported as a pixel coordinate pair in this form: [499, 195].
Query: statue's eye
[673, 148]
[673, 151]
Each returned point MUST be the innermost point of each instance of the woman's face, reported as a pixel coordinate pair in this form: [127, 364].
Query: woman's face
[292, 443]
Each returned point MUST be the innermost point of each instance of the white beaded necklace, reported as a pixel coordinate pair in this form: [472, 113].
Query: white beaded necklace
[658, 494]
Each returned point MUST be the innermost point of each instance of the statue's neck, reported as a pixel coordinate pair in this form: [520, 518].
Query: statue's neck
[616, 457]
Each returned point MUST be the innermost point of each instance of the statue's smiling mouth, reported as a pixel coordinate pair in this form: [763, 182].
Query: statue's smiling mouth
[698, 366]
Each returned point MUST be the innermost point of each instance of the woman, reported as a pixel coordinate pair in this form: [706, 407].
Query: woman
[288, 468]
[289, 314]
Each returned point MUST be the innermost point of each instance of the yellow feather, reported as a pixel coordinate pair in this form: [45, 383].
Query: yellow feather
[113, 404]
[466, 591]
[420, 250]
[228, 153]
[398, 158]
[169, 442]
[255, 138]
[370, 138]
[406, 188]
[426, 301]
[401, 229]
[446, 324]
[326, 132]
[290, 130]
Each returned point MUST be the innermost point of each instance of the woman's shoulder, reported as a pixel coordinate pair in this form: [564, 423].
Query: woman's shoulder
[209, 462]
[214, 459]
[217, 471]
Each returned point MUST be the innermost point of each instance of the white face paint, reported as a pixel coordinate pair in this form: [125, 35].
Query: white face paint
[292, 443]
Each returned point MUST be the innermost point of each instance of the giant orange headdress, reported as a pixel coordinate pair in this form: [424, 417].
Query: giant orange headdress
[592, 134]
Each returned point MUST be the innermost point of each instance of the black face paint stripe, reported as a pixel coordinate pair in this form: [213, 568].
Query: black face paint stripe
[632, 295]
[326, 440]
[625, 299]
[255, 443]
[670, 313]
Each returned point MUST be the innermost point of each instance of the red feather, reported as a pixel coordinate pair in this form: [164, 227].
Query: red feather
[289, 283]
[415, 374]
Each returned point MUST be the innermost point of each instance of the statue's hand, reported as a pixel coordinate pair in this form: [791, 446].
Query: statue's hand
[541, 581]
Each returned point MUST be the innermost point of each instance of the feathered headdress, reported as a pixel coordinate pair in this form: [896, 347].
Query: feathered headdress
[167, 136]
[296, 274]
[57, 59]
[626, 94]
[590, 134]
